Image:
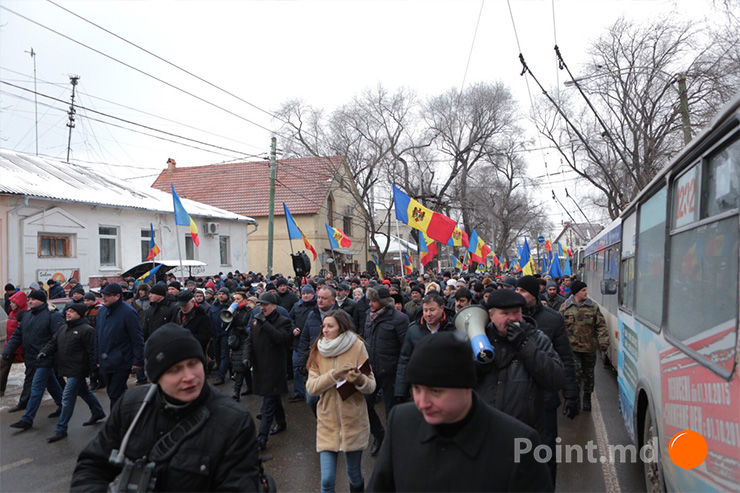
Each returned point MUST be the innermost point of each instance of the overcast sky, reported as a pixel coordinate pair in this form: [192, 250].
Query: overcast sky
[267, 52]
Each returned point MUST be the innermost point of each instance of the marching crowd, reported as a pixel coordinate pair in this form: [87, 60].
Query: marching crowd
[338, 344]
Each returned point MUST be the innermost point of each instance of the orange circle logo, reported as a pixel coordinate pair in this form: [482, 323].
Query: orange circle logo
[688, 449]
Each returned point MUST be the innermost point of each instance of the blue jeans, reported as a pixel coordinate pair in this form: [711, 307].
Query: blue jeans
[115, 384]
[299, 386]
[272, 408]
[329, 469]
[76, 386]
[223, 355]
[43, 379]
[312, 401]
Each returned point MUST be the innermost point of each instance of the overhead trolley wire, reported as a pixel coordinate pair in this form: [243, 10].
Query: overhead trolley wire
[128, 65]
[131, 122]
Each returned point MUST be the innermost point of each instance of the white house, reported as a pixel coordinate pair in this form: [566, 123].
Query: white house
[64, 219]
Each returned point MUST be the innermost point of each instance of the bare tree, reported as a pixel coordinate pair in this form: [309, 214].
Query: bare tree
[501, 209]
[635, 81]
[376, 134]
[466, 127]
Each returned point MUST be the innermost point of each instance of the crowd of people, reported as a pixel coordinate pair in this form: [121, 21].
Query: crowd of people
[346, 342]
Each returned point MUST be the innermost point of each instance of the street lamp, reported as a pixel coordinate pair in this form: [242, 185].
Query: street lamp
[680, 78]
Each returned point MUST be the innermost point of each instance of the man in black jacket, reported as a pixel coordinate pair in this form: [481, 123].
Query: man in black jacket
[434, 319]
[385, 331]
[269, 334]
[525, 368]
[552, 324]
[35, 329]
[193, 317]
[449, 439]
[218, 451]
[72, 349]
[160, 310]
[286, 297]
[299, 313]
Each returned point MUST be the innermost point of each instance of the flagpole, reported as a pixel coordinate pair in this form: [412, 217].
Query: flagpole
[398, 238]
[179, 251]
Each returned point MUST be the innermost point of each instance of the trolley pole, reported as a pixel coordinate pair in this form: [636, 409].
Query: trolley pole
[73, 79]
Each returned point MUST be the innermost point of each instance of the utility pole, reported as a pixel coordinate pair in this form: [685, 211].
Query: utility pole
[73, 79]
[35, 99]
[271, 216]
[684, 101]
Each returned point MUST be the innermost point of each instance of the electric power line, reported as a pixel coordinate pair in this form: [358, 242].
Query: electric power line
[125, 64]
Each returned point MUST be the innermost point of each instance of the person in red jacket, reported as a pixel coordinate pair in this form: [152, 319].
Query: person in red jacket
[17, 305]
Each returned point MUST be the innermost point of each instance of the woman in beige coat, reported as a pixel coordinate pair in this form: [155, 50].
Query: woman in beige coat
[342, 424]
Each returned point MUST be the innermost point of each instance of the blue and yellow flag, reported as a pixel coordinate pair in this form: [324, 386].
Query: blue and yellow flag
[149, 274]
[377, 267]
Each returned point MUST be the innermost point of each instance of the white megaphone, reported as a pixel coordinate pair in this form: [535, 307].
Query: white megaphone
[228, 315]
[471, 321]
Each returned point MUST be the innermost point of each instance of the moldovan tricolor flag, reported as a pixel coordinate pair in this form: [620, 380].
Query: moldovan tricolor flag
[337, 238]
[478, 248]
[294, 232]
[427, 248]
[409, 211]
[407, 265]
[153, 248]
[459, 238]
[182, 218]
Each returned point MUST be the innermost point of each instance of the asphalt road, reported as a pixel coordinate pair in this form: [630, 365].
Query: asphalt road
[29, 464]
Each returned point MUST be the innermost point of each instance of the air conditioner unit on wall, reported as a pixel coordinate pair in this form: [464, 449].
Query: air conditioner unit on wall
[212, 228]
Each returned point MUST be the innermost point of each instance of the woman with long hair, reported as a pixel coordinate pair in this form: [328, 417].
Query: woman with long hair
[342, 420]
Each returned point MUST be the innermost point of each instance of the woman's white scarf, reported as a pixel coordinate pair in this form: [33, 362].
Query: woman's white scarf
[329, 348]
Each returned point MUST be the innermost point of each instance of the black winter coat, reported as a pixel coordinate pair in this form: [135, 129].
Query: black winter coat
[362, 306]
[384, 337]
[417, 330]
[479, 457]
[287, 299]
[552, 324]
[349, 305]
[72, 349]
[222, 456]
[299, 314]
[197, 322]
[267, 342]
[516, 381]
[238, 335]
[157, 315]
[35, 329]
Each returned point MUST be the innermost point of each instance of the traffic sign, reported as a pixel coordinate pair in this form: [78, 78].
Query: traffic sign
[540, 239]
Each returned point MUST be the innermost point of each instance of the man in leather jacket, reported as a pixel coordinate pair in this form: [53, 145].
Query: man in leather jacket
[525, 366]
[219, 451]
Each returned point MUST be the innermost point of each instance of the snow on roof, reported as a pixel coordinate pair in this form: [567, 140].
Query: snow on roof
[33, 176]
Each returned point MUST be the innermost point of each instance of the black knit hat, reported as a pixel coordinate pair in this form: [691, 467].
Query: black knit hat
[80, 308]
[530, 284]
[176, 285]
[168, 345]
[576, 286]
[159, 289]
[444, 359]
[77, 289]
[38, 294]
[89, 296]
[9, 287]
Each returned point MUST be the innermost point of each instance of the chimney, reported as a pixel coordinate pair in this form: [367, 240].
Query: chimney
[171, 164]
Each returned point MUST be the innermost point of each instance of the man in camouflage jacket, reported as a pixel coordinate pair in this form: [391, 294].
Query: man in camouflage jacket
[587, 332]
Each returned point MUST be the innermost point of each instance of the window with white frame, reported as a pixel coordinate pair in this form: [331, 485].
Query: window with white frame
[108, 245]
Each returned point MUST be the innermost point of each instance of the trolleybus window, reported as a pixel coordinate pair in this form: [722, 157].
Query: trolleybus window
[650, 258]
[704, 266]
[627, 289]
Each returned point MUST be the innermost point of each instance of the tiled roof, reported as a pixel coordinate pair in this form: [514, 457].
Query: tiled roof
[244, 188]
[33, 176]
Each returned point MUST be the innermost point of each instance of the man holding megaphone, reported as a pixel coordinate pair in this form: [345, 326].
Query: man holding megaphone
[525, 366]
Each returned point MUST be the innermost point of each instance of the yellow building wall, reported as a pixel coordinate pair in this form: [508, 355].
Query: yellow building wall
[313, 226]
